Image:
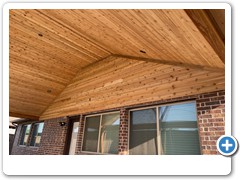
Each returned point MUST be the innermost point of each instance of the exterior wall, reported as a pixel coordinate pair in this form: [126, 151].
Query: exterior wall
[211, 122]
[52, 141]
[11, 140]
[54, 137]
[123, 132]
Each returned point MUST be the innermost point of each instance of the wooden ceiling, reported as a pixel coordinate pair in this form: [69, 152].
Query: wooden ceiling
[51, 49]
[117, 82]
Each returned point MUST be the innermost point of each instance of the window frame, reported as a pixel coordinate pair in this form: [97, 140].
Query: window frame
[32, 130]
[99, 131]
[30, 134]
[159, 151]
[21, 134]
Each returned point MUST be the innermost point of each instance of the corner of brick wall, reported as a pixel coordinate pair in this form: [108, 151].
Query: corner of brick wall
[211, 120]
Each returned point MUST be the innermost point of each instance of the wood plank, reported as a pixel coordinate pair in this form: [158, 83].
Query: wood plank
[145, 82]
[208, 30]
[217, 17]
[16, 114]
[174, 63]
[87, 55]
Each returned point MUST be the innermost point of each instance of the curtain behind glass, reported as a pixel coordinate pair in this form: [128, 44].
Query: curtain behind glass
[90, 141]
[143, 132]
[109, 133]
[178, 128]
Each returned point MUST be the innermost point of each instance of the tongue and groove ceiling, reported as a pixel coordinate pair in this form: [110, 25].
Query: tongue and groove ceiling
[65, 62]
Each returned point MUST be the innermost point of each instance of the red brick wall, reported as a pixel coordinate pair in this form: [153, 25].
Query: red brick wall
[123, 132]
[52, 141]
[211, 120]
[54, 137]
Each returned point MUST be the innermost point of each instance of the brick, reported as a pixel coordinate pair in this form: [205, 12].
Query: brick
[210, 94]
[216, 120]
[221, 93]
[203, 100]
[204, 108]
[206, 116]
[212, 103]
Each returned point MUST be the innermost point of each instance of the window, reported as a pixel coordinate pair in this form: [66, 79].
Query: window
[101, 133]
[32, 132]
[143, 132]
[36, 135]
[168, 130]
[25, 134]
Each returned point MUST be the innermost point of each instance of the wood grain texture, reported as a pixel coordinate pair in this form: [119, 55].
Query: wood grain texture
[130, 82]
[209, 31]
[48, 48]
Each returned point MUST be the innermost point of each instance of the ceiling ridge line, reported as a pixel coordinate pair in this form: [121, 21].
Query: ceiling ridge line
[167, 62]
[71, 81]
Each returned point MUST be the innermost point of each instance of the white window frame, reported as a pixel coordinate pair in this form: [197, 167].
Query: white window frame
[99, 131]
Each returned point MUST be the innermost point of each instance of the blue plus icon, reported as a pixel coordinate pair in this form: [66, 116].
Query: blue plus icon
[227, 145]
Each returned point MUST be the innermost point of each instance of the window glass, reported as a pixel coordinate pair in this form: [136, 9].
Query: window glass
[90, 141]
[36, 135]
[143, 132]
[109, 133]
[25, 134]
[178, 128]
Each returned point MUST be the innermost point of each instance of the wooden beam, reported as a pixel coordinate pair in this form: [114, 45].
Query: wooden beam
[217, 17]
[172, 63]
[203, 22]
[20, 115]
